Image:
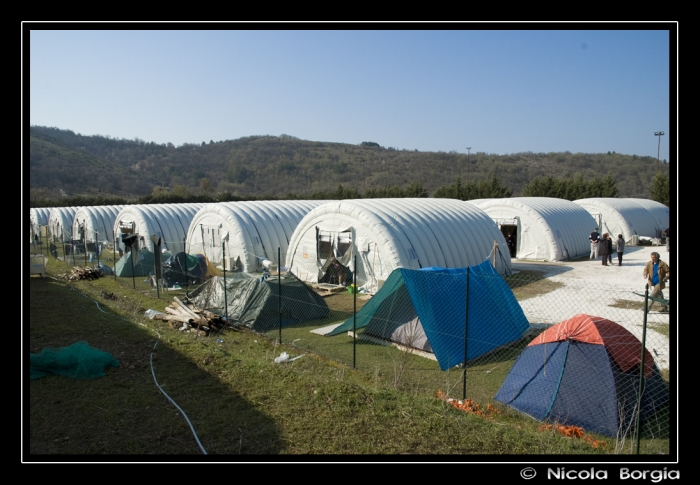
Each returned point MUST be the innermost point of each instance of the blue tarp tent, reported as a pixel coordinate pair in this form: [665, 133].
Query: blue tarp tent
[426, 309]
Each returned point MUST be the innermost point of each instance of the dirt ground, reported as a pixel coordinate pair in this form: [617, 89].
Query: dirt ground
[589, 287]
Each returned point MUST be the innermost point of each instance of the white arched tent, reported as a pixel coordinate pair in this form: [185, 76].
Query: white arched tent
[620, 216]
[659, 212]
[61, 223]
[385, 234]
[545, 228]
[169, 222]
[253, 231]
[38, 216]
[95, 223]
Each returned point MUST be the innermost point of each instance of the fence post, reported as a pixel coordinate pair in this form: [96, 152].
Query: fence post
[223, 257]
[641, 368]
[184, 250]
[114, 248]
[466, 327]
[354, 310]
[133, 278]
[156, 262]
[279, 291]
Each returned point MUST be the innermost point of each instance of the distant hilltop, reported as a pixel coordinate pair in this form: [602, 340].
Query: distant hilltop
[64, 164]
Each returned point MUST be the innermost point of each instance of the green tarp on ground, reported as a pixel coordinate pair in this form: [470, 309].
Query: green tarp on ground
[78, 361]
[143, 263]
[253, 302]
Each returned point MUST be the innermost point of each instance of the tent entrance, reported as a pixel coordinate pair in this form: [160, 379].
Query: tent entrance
[510, 233]
[336, 274]
[334, 251]
[509, 229]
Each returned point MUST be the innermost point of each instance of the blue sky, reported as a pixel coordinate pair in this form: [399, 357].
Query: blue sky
[496, 91]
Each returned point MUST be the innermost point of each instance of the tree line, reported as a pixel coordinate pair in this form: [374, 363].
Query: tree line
[561, 188]
[68, 164]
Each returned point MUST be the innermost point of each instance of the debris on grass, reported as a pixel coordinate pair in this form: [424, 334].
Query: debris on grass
[468, 405]
[573, 432]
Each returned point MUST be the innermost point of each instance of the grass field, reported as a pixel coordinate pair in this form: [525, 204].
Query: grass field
[239, 402]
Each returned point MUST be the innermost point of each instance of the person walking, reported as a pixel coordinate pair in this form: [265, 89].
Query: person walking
[595, 239]
[667, 234]
[605, 248]
[620, 249]
[656, 273]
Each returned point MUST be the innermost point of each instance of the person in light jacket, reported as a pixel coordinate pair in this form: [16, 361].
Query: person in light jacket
[656, 274]
[620, 249]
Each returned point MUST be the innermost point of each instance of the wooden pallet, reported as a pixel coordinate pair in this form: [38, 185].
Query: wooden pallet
[325, 289]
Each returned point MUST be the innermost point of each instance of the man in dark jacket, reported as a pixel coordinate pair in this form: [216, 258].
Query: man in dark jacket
[595, 239]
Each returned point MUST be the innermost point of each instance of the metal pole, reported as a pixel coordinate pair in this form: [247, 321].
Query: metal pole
[466, 327]
[223, 256]
[468, 150]
[279, 291]
[184, 245]
[641, 369]
[658, 150]
[113, 249]
[97, 250]
[156, 267]
[133, 278]
[354, 310]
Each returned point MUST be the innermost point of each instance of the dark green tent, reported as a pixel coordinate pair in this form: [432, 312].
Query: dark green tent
[142, 265]
[253, 302]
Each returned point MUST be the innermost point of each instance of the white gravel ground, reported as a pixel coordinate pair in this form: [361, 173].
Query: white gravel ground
[591, 288]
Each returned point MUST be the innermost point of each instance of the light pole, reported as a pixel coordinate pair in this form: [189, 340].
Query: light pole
[658, 150]
[468, 148]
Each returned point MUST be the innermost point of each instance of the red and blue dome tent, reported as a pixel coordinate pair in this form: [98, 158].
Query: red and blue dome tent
[585, 372]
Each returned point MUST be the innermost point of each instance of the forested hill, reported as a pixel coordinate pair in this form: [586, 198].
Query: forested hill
[63, 162]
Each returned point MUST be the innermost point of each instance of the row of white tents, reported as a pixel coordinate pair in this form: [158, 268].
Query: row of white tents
[382, 234]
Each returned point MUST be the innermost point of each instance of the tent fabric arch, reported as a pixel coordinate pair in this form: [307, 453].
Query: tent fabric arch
[97, 222]
[256, 230]
[38, 216]
[61, 223]
[621, 216]
[395, 233]
[549, 229]
[170, 222]
[659, 212]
